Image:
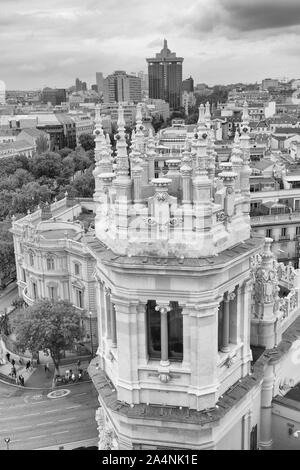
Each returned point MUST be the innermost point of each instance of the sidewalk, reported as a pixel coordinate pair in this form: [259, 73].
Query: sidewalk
[36, 377]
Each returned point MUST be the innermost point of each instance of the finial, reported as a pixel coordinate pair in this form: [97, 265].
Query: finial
[98, 112]
[165, 44]
[201, 119]
[121, 121]
[139, 117]
[207, 111]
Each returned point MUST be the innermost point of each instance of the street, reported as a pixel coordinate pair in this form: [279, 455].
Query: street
[7, 296]
[33, 421]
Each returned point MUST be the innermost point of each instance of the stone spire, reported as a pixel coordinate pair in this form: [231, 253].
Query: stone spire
[100, 140]
[122, 157]
[245, 114]
[237, 161]
[139, 135]
[151, 154]
[207, 113]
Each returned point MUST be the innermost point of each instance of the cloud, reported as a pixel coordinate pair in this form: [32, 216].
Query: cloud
[261, 14]
[51, 43]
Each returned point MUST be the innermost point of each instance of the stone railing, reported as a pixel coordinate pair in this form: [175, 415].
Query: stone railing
[288, 305]
[26, 297]
[269, 218]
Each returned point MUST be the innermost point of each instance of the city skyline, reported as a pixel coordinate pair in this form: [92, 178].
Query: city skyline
[222, 41]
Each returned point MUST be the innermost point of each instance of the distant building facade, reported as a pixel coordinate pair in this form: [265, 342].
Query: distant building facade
[55, 96]
[188, 85]
[100, 82]
[53, 262]
[120, 87]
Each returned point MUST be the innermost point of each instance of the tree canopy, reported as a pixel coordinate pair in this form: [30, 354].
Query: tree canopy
[87, 141]
[52, 326]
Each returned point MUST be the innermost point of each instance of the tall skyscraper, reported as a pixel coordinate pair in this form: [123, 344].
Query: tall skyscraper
[165, 76]
[100, 82]
[120, 87]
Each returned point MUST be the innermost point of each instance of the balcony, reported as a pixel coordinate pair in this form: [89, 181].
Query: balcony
[29, 301]
[275, 218]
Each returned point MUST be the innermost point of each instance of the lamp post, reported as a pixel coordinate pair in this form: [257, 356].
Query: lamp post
[92, 349]
[7, 441]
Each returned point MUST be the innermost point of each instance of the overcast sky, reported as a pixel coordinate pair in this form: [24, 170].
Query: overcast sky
[50, 43]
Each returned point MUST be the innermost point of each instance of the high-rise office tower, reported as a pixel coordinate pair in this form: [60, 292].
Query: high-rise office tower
[120, 87]
[100, 82]
[165, 76]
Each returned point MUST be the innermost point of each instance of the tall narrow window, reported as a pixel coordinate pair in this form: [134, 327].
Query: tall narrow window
[79, 298]
[153, 321]
[269, 233]
[76, 269]
[31, 260]
[34, 288]
[175, 332]
[52, 293]
[283, 232]
[50, 263]
[220, 325]
[253, 438]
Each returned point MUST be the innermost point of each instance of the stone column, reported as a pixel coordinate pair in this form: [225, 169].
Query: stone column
[163, 310]
[137, 184]
[266, 410]
[102, 309]
[151, 164]
[113, 326]
[108, 313]
[225, 333]
[186, 172]
[246, 431]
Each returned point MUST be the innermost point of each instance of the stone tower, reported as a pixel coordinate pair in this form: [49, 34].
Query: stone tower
[173, 294]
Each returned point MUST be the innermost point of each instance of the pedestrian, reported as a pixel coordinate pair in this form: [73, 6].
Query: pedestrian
[8, 356]
[13, 371]
[73, 377]
[67, 374]
[28, 363]
[21, 361]
[13, 362]
[21, 380]
[70, 376]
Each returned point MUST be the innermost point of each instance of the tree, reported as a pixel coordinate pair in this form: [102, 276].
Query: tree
[84, 185]
[42, 144]
[87, 141]
[7, 262]
[52, 326]
[65, 152]
[46, 164]
[80, 159]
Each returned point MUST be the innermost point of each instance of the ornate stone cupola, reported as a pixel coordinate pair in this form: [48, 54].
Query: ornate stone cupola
[207, 221]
